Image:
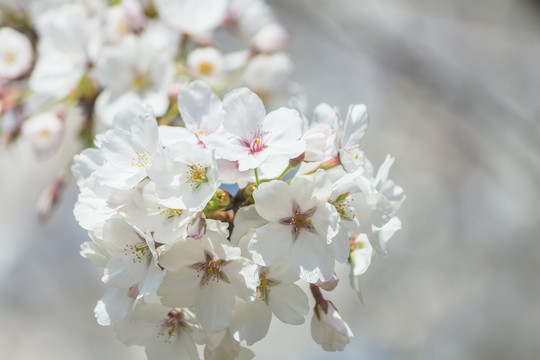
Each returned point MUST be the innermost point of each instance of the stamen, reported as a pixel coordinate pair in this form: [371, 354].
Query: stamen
[263, 290]
[197, 175]
[170, 327]
[300, 220]
[138, 253]
[343, 206]
[141, 159]
[169, 213]
[211, 269]
[256, 142]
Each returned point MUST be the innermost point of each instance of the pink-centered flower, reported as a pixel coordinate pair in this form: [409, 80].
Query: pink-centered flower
[301, 227]
[252, 136]
[207, 274]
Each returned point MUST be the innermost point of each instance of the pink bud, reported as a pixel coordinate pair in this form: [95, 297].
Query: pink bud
[50, 195]
[134, 15]
[133, 292]
[330, 284]
[328, 328]
[197, 226]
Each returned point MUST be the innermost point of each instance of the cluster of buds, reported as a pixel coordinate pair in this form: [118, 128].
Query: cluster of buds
[81, 61]
[205, 230]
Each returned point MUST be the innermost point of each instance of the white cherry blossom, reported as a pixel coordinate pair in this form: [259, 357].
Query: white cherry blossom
[140, 65]
[276, 294]
[129, 148]
[254, 136]
[301, 227]
[44, 132]
[146, 212]
[185, 176]
[211, 273]
[16, 54]
[206, 63]
[134, 259]
[166, 333]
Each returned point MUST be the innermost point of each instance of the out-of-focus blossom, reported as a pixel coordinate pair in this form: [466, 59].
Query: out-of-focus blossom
[206, 63]
[271, 38]
[44, 132]
[16, 54]
[192, 16]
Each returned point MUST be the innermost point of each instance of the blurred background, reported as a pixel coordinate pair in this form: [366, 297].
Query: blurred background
[453, 92]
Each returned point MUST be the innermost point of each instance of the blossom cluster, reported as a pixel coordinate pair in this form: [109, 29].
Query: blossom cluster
[98, 56]
[208, 230]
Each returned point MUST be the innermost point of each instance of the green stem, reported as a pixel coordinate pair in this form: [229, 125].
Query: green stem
[289, 167]
[256, 176]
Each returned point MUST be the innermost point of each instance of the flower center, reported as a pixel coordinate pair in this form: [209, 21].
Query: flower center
[206, 68]
[169, 213]
[137, 252]
[140, 81]
[263, 289]
[343, 206]
[211, 269]
[256, 145]
[10, 58]
[140, 159]
[300, 220]
[171, 326]
[197, 175]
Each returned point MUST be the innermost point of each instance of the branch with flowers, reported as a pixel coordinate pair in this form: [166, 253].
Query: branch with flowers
[205, 229]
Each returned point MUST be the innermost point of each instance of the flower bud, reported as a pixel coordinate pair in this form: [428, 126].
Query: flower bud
[271, 38]
[330, 284]
[49, 196]
[134, 14]
[197, 226]
[328, 328]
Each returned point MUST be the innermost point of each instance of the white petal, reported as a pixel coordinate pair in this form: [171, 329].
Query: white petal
[244, 111]
[214, 306]
[284, 127]
[122, 273]
[245, 219]
[288, 302]
[113, 307]
[180, 289]
[311, 258]
[273, 200]
[271, 244]
[244, 277]
[355, 126]
[251, 321]
[340, 245]
[200, 107]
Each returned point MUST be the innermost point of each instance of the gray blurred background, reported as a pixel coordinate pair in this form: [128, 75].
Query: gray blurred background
[453, 92]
